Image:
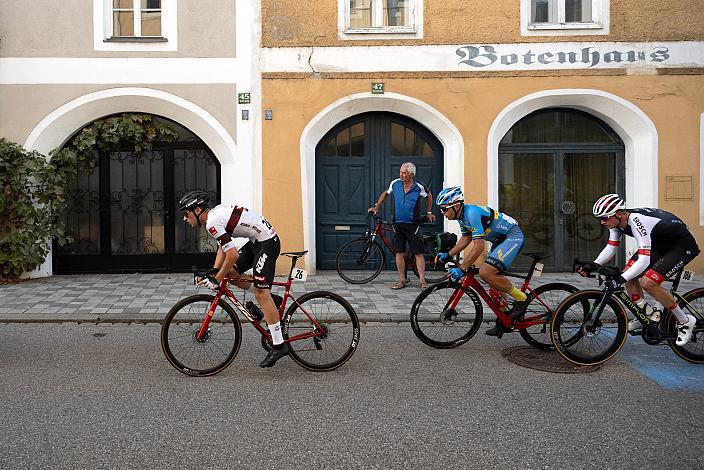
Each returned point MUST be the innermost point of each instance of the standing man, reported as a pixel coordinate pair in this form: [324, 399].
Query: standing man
[225, 222]
[407, 218]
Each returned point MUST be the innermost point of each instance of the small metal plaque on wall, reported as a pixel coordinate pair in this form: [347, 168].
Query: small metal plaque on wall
[243, 98]
[678, 188]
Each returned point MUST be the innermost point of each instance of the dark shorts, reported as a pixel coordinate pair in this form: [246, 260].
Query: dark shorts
[664, 264]
[408, 234]
[261, 257]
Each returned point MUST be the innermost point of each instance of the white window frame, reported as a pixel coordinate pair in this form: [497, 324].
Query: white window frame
[599, 25]
[103, 39]
[413, 31]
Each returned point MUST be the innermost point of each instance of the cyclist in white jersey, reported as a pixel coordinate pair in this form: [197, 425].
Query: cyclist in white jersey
[665, 245]
[225, 222]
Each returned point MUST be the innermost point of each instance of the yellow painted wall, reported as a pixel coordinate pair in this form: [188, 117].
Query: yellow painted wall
[287, 23]
[673, 103]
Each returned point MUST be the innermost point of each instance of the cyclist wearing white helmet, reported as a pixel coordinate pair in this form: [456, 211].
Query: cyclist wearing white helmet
[481, 224]
[665, 245]
[225, 222]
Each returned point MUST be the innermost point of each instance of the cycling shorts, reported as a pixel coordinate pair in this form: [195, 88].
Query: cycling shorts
[504, 251]
[408, 234]
[261, 257]
[665, 265]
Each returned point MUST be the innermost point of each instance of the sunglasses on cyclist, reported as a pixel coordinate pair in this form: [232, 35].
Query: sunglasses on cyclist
[604, 218]
[446, 208]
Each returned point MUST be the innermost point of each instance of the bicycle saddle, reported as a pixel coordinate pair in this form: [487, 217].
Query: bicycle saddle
[538, 255]
[296, 254]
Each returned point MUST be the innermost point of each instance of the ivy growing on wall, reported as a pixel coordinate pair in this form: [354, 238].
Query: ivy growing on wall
[32, 195]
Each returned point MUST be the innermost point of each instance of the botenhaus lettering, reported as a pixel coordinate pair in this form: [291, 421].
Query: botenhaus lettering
[484, 56]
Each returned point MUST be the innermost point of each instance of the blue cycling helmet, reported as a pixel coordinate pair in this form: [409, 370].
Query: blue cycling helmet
[451, 195]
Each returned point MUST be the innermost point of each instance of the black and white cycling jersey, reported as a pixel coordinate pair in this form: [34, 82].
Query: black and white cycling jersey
[656, 231]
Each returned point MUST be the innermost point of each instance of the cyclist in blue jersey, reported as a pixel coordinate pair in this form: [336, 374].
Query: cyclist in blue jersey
[481, 224]
[407, 194]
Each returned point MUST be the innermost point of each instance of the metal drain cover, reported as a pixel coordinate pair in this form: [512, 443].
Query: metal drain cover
[548, 361]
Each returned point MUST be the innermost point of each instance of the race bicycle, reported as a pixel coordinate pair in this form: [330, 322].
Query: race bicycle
[361, 260]
[590, 326]
[201, 334]
[448, 314]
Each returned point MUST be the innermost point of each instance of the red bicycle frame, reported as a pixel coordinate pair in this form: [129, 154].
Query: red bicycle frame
[469, 281]
[224, 290]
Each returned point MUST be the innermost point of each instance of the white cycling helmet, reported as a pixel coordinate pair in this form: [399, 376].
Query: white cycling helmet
[451, 195]
[608, 205]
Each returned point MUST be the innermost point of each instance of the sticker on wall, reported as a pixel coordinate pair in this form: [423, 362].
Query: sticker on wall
[268, 115]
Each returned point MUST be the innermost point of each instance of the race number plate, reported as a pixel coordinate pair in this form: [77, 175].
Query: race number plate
[299, 274]
[538, 269]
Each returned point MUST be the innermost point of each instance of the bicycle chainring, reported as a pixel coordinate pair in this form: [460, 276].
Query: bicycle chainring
[651, 334]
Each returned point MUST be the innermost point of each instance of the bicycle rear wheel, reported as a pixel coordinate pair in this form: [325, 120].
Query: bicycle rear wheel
[694, 350]
[436, 325]
[582, 340]
[359, 260]
[327, 328]
[542, 303]
[212, 354]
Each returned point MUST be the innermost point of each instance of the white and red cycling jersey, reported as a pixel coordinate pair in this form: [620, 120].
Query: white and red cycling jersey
[227, 221]
[656, 231]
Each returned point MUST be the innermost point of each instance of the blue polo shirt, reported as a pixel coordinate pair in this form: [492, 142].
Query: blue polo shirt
[407, 204]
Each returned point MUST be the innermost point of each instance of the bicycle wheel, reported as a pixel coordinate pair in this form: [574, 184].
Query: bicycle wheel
[694, 350]
[580, 339]
[542, 303]
[210, 355]
[359, 261]
[327, 329]
[435, 324]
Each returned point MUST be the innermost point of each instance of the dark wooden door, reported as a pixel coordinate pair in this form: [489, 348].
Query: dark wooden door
[355, 162]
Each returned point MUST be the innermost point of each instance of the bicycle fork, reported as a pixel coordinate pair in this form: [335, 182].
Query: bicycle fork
[590, 322]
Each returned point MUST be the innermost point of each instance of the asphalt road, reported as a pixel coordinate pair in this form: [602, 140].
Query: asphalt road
[103, 396]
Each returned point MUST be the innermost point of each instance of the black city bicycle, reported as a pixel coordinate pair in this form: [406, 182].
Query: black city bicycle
[590, 326]
[361, 260]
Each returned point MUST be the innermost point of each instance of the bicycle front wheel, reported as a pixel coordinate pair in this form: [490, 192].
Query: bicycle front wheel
[438, 325]
[359, 261]
[322, 329]
[207, 356]
[542, 303]
[693, 351]
[582, 338]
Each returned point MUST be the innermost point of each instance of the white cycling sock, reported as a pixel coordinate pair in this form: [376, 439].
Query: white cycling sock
[679, 314]
[276, 336]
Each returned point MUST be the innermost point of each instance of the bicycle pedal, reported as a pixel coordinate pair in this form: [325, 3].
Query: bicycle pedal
[636, 332]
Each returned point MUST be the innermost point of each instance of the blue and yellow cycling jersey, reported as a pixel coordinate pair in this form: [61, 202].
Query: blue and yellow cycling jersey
[483, 222]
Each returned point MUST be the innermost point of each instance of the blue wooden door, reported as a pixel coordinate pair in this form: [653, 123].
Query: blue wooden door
[355, 162]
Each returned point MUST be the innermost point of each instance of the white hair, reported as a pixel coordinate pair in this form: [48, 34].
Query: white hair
[411, 167]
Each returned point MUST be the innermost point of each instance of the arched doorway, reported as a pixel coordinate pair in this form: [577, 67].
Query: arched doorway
[122, 217]
[553, 164]
[354, 162]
